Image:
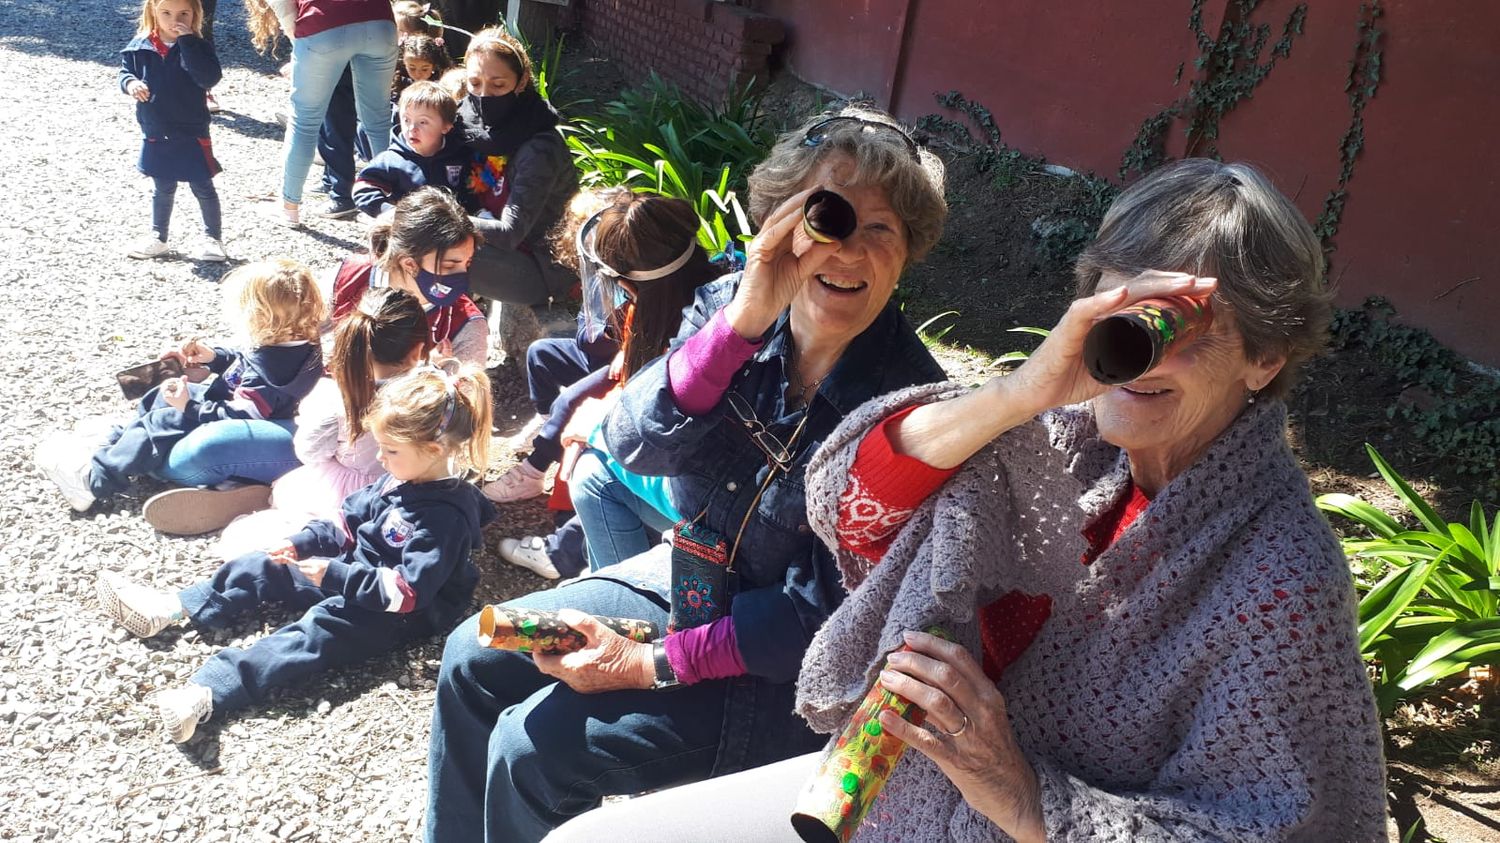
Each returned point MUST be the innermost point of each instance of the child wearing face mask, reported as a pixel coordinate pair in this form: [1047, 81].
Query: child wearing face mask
[168, 68]
[428, 152]
[424, 246]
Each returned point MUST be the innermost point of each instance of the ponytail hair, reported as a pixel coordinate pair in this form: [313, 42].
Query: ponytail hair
[426, 220]
[384, 328]
[450, 407]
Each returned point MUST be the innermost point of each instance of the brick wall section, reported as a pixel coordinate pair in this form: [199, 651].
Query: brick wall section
[707, 48]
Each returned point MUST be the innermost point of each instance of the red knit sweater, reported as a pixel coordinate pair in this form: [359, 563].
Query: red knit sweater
[886, 487]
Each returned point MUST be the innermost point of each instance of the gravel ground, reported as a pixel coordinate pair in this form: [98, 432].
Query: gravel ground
[80, 756]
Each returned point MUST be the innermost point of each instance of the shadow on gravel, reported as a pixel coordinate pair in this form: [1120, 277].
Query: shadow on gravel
[330, 240]
[68, 31]
[250, 127]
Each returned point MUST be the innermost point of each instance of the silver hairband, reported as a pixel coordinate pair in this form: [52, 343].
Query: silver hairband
[584, 248]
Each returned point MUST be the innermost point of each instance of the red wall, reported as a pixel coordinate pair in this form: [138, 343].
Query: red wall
[1074, 81]
[707, 48]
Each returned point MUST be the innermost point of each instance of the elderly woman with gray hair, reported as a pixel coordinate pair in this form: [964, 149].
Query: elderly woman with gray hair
[765, 366]
[1155, 629]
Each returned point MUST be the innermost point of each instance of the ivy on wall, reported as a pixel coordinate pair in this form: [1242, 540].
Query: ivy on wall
[1360, 85]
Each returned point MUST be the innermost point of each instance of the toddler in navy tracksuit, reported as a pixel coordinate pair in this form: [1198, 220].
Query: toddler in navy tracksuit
[396, 569]
[168, 69]
[428, 152]
[281, 309]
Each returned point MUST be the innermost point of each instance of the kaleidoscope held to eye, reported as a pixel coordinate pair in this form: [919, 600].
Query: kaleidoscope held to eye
[827, 217]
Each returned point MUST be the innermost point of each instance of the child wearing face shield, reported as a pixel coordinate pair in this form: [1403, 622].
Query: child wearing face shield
[639, 262]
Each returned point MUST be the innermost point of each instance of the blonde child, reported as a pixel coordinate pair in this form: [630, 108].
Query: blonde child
[405, 574]
[385, 336]
[279, 309]
[168, 68]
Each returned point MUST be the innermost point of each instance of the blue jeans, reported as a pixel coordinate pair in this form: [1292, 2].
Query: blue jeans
[247, 450]
[330, 634]
[516, 753]
[617, 524]
[369, 51]
[208, 203]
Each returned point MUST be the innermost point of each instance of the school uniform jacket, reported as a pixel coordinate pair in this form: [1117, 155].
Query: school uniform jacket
[400, 170]
[178, 83]
[262, 383]
[410, 546]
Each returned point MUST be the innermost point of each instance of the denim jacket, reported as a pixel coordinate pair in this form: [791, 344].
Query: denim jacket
[788, 582]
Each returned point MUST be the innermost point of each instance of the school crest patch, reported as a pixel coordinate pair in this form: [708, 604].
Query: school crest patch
[455, 174]
[396, 530]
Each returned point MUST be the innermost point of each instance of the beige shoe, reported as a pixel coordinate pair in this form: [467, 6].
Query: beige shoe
[144, 611]
[521, 482]
[193, 512]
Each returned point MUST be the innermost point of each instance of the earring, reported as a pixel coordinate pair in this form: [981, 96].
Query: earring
[1253, 394]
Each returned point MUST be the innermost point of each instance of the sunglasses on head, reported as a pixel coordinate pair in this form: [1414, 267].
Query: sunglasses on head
[818, 132]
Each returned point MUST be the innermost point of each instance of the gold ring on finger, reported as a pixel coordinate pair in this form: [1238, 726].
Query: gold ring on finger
[959, 731]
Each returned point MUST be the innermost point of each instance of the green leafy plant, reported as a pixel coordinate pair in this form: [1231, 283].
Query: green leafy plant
[932, 337]
[1429, 596]
[1461, 421]
[1020, 356]
[656, 139]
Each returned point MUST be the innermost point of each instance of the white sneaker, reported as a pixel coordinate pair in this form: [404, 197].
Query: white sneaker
[144, 611]
[67, 463]
[212, 250]
[529, 553]
[522, 482]
[149, 247]
[522, 438]
[182, 709]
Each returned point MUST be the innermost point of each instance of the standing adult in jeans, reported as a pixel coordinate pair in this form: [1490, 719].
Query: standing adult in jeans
[327, 36]
[805, 335]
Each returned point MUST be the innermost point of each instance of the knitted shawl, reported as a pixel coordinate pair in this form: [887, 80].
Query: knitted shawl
[1199, 680]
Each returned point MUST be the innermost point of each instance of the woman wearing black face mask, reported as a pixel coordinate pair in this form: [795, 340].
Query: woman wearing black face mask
[522, 173]
[425, 249]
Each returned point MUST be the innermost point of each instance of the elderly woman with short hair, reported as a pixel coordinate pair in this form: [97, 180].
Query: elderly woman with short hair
[1197, 676]
[765, 366]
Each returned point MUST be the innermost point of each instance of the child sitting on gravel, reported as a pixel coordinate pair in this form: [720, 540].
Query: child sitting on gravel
[404, 574]
[168, 68]
[279, 309]
[428, 151]
[386, 336]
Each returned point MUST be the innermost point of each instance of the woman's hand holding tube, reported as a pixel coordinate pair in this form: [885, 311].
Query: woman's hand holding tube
[947, 433]
[973, 742]
[610, 662]
[778, 263]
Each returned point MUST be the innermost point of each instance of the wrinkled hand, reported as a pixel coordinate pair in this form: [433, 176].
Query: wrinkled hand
[610, 662]
[1055, 375]
[778, 264]
[174, 391]
[138, 89]
[974, 746]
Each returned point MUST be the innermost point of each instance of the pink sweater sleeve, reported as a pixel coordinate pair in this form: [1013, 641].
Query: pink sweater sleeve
[704, 652]
[700, 369]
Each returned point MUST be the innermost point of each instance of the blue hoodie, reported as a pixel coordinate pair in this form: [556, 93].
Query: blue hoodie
[266, 382]
[400, 170]
[410, 551]
[178, 83]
